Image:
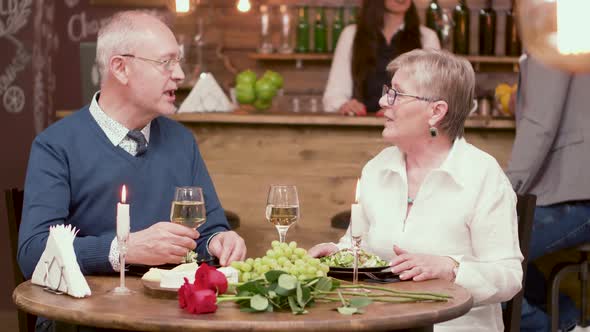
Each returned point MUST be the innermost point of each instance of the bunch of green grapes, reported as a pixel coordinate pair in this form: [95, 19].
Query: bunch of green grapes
[283, 257]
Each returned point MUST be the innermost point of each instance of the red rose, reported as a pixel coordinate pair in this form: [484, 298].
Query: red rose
[207, 277]
[183, 293]
[202, 301]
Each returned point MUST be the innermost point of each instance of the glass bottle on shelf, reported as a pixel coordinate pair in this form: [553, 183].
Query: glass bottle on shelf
[302, 31]
[265, 35]
[319, 31]
[487, 29]
[286, 46]
[433, 18]
[337, 26]
[461, 29]
[513, 44]
[351, 16]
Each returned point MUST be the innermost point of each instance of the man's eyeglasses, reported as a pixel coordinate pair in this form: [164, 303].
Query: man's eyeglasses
[393, 93]
[169, 64]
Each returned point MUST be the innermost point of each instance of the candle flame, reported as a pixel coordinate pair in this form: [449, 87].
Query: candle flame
[357, 193]
[123, 194]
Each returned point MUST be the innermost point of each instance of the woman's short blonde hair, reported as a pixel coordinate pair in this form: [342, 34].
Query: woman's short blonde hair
[443, 76]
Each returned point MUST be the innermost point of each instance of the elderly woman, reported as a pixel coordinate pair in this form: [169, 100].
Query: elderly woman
[435, 205]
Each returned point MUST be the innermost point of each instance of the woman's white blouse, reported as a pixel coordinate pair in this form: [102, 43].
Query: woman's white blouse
[466, 209]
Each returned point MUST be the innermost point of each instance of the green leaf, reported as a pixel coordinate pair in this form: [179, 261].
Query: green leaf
[248, 309]
[273, 275]
[324, 284]
[259, 302]
[288, 282]
[348, 310]
[300, 295]
[283, 292]
[252, 287]
[359, 302]
[294, 306]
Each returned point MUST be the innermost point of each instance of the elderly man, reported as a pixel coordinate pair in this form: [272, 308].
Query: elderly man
[78, 165]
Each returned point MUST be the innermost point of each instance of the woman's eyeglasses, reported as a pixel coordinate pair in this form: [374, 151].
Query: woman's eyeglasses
[393, 93]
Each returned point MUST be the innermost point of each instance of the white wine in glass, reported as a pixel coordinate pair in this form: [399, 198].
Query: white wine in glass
[188, 213]
[282, 208]
[188, 208]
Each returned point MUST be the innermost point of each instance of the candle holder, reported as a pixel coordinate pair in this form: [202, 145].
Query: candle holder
[356, 247]
[122, 243]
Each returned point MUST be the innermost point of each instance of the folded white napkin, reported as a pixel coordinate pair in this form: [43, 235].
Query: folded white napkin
[206, 96]
[58, 268]
[175, 279]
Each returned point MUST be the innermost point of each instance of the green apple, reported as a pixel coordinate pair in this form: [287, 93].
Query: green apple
[246, 76]
[275, 78]
[245, 93]
[265, 90]
[262, 105]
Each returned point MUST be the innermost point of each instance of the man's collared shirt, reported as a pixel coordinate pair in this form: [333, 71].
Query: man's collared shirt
[116, 132]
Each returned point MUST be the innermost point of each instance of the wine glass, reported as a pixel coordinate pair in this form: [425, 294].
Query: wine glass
[188, 209]
[282, 208]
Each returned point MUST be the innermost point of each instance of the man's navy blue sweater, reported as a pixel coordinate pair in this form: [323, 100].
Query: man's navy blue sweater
[75, 175]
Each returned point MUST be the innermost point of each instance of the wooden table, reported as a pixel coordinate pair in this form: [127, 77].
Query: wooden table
[142, 312]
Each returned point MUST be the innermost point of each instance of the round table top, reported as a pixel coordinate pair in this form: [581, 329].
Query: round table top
[144, 312]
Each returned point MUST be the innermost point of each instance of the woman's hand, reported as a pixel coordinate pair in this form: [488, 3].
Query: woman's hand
[353, 107]
[419, 267]
[322, 249]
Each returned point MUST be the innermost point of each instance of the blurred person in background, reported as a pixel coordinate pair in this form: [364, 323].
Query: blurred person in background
[550, 159]
[385, 29]
[434, 205]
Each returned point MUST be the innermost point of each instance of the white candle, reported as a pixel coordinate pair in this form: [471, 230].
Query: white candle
[123, 215]
[356, 215]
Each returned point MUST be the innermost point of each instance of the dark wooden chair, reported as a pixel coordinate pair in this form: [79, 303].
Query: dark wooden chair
[525, 209]
[557, 275]
[14, 207]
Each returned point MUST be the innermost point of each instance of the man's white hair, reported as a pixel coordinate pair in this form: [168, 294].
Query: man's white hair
[120, 35]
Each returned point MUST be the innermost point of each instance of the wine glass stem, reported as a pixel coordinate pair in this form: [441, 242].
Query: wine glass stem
[282, 233]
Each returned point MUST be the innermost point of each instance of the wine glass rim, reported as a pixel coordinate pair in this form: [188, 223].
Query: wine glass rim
[189, 187]
[282, 185]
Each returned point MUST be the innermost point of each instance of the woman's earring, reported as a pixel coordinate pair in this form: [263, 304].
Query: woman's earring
[433, 131]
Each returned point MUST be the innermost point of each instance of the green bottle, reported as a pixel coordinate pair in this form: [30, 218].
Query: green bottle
[319, 32]
[487, 29]
[302, 31]
[513, 45]
[337, 26]
[433, 17]
[461, 28]
[351, 16]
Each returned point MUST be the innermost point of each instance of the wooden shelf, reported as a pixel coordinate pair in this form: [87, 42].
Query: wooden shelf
[292, 56]
[492, 59]
[476, 60]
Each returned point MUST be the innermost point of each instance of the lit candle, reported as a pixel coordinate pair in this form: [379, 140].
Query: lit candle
[356, 215]
[123, 215]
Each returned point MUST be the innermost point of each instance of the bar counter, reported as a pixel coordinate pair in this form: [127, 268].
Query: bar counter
[322, 154]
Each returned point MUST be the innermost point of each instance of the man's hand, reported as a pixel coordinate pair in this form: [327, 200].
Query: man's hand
[419, 267]
[228, 247]
[322, 249]
[161, 243]
[353, 108]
